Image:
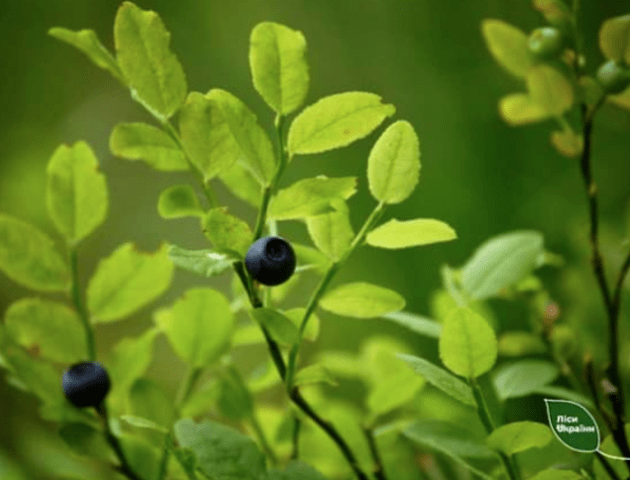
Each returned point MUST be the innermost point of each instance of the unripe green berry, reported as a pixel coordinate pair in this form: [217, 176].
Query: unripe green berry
[613, 77]
[546, 43]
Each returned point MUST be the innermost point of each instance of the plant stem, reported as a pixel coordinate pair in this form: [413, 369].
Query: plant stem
[379, 470]
[124, 467]
[295, 438]
[486, 420]
[77, 300]
[262, 438]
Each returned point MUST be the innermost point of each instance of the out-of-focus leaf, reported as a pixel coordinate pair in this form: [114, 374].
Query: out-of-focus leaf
[362, 300]
[519, 436]
[296, 470]
[520, 109]
[281, 328]
[131, 358]
[394, 163]
[206, 263]
[140, 141]
[242, 183]
[234, 401]
[277, 58]
[416, 323]
[614, 38]
[508, 45]
[148, 400]
[179, 201]
[567, 142]
[336, 121]
[410, 233]
[28, 257]
[516, 344]
[154, 74]
[550, 89]
[523, 378]
[126, 281]
[311, 332]
[315, 373]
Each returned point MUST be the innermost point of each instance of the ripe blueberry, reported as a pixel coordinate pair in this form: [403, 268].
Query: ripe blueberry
[86, 384]
[270, 260]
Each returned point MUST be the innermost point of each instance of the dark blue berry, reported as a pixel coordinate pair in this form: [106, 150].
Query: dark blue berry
[86, 384]
[270, 260]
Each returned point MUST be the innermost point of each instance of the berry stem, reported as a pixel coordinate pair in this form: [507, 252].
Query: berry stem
[379, 470]
[124, 466]
[187, 386]
[77, 300]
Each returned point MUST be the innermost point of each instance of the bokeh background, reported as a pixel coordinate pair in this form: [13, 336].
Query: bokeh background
[428, 58]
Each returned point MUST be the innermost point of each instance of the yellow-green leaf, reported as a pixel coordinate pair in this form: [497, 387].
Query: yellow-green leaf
[277, 58]
[519, 436]
[336, 121]
[76, 191]
[179, 201]
[280, 327]
[28, 256]
[154, 74]
[508, 45]
[314, 374]
[226, 231]
[520, 109]
[410, 233]
[242, 183]
[140, 141]
[311, 332]
[567, 142]
[331, 232]
[550, 89]
[468, 345]
[126, 281]
[362, 300]
[394, 163]
[614, 38]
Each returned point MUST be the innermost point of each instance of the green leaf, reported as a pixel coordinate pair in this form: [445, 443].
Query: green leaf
[148, 400]
[555, 12]
[188, 461]
[206, 263]
[126, 281]
[130, 359]
[311, 332]
[222, 452]
[242, 183]
[519, 436]
[88, 42]
[139, 141]
[394, 163]
[76, 192]
[277, 58]
[614, 38]
[508, 45]
[29, 257]
[314, 374]
[332, 232]
[410, 233]
[199, 325]
[310, 196]
[295, 470]
[521, 109]
[416, 323]
[155, 76]
[52, 328]
[310, 256]
[234, 402]
[254, 147]
[206, 135]
[568, 418]
[550, 89]
[516, 344]
[567, 142]
[453, 441]
[281, 328]
[501, 262]
[441, 379]
[523, 378]
[336, 121]
[362, 300]
[342, 364]
[84, 440]
[226, 231]
[179, 201]
[140, 422]
[468, 345]
[556, 474]
[247, 335]
[141, 456]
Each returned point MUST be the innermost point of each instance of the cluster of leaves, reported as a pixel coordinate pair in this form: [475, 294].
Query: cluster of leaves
[550, 63]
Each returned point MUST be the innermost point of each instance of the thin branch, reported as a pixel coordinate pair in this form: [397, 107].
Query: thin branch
[379, 469]
[77, 300]
[124, 466]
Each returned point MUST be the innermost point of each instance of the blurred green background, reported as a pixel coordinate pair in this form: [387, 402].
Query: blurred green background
[427, 58]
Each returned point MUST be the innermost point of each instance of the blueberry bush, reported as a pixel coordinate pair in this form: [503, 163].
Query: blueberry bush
[417, 419]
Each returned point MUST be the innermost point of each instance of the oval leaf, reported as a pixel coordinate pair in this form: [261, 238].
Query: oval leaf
[226, 231]
[567, 142]
[206, 263]
[411, 233]
[508, 45]
[139, 141]
[130, 359]
[198, 325]
[242, 183]
[468, 345]
[523, 378]
[314, 374]
[127, 280]
[573, 425]
[519, 436]
[362, 300]
[155, 76]
[179, 201]
[415, 323]
[336, 121]
[51, 329]
[88, 42]
[550, 89]
[311, 332]
[281, 328]
[394, 163]
[501, 262]
[614, 38]
[277, 58]
[76, 192]
[441, 379]
[332, 232]
[520, 109]
[29, 257]
[310, 196]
